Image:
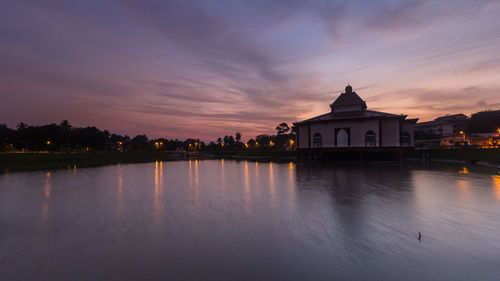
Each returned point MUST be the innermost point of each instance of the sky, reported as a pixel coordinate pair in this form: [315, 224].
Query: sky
[204, 69]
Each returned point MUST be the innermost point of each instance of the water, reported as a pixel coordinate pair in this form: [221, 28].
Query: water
[239, 220]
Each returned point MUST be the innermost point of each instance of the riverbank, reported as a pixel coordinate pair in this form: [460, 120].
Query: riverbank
[47, 161]
[10, 162]
[264, 155]
[485, 157]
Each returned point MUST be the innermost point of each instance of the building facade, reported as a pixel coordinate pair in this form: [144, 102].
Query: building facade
[442, 126]
[350, 126]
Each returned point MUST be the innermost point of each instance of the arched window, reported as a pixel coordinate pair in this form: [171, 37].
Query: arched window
[317, 140]
[405, 139]
[370, 139]
[342, 138]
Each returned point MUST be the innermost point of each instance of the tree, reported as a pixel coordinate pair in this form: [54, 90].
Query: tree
[228, 140]
[282, 129]
[238, 137]
[484, 122]
[139, 143]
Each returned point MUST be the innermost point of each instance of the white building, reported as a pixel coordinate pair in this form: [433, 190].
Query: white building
[442, 126]
[350, 126]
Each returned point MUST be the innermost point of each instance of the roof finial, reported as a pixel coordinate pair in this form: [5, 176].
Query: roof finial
[348, 89]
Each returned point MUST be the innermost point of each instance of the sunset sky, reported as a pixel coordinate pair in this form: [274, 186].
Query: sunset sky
[204, 69]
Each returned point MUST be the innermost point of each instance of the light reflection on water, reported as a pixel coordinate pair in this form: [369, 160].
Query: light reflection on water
[241, 220]
[496, 184]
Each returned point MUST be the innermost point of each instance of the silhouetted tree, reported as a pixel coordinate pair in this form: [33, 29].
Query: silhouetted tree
[228, 140]
[484, 122]
[138, 143]
[282, 129]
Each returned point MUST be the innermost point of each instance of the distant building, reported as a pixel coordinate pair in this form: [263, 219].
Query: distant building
[479, 140]
[442, 126]
[350, 126]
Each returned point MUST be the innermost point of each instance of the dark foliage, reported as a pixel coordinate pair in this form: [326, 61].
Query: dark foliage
[484, 122]
[65, 138]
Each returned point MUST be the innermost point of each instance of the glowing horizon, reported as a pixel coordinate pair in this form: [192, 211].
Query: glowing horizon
[207, 69]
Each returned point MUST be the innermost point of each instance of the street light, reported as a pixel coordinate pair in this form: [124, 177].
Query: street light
[463, 136]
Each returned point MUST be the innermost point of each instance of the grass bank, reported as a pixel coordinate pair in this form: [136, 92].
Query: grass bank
[49, 161]
[10, 162]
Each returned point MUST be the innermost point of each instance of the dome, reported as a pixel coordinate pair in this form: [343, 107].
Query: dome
[348, 89]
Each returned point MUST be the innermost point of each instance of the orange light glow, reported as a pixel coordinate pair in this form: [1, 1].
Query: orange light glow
[496, 185]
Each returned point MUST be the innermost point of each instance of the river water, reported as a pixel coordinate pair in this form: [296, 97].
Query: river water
[243, 220]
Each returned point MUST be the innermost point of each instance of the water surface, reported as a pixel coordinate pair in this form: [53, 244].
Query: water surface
[242, 220]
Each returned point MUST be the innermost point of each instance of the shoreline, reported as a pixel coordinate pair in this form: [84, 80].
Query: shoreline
[17, 162]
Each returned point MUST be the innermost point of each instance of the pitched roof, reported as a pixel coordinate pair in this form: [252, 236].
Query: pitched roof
[349, 99]
[352, 115]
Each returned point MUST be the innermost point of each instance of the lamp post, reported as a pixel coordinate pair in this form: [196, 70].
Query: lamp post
[463, 137]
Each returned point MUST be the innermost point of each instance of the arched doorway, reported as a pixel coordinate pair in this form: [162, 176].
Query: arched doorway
[342, 137]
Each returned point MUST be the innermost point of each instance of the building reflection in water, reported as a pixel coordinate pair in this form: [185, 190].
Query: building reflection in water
[341, 196]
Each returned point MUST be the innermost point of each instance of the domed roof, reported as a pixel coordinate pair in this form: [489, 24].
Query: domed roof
[348, 89]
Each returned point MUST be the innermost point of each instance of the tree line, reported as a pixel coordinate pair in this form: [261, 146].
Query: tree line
[487, 121]
[64, 137]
